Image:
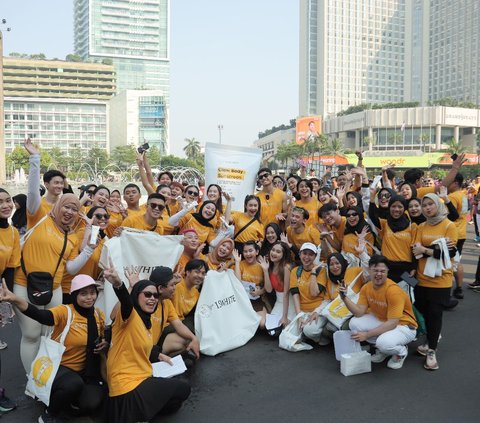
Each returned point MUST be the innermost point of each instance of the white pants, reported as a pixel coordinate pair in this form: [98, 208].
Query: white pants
[278, 307]
[392, 342]
[314, 329]
[32, 330]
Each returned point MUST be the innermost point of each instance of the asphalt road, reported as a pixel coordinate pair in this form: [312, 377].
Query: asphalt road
[261, 383]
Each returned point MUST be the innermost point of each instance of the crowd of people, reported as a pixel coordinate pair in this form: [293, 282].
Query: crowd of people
[300, 243]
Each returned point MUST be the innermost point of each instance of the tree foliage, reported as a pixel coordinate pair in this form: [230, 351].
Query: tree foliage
[277, 128]
[123, 156]
[192, 149]
[452, 102]
[366, 106]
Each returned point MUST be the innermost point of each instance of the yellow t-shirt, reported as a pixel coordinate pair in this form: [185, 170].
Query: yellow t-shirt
[331, 289]
[460, 201]
[423, 191]
[309, 234]
[163, 316]
[312, 207]
[272, 206]
[76, 340]
[184, 299]
[42, 251]
[44, 208]
[388, 302]
[115, 222]
[397, 246]
[308, 303]
[9, 248]
[141, 211]
[138, 222]
[182, 262]
[251, 273]
[338, 232]
[350, 241]
[205, 233]
[425, 235]
[128, 362]
[167, 229]
[254, 232]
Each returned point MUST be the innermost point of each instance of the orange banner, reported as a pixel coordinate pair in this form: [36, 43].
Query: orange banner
[308, 127]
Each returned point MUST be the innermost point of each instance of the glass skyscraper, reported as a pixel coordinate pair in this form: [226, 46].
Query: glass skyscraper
[134, 35]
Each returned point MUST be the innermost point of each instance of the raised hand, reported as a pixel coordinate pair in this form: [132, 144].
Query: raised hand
[30, 147]
[111, 275]
[284, 239]
[236, 255]
[263, 262]
[132, 275]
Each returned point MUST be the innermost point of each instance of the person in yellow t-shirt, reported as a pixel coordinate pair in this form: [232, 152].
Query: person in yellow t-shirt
[192, 249]
[249, 271]
[273, 200]
[383, 315]
[298, 232]
[152, 219]
[460, 201]
[250, 220]
[331, 232]
[300, 278]
[327, 285]
[134, 394]
[9, 240]
[132, 195]
[308, 201]
[432, 293]
[220, 257]
[356, 227]
[78, 380]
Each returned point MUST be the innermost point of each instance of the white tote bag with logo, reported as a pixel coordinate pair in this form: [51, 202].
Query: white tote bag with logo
[45, 366]
[224, 317]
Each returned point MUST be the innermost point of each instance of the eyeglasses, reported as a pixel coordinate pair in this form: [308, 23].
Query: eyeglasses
[149, 294]
[100, 216]
[353, 214]
[385, 195]
[193, 193]
[263, 176]
[156, 206]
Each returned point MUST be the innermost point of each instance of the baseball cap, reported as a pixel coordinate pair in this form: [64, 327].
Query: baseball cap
[81, 281]
[308, 246]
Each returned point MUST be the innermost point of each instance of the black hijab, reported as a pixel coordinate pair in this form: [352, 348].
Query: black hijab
[361, 222]
[417, 219]
[384, 212]
[412, 187]
[199, 217]
[137, 288]
[403, 222]
[19, 218]
[358, 196]
[3, 222]
[343, 262]
[92, 362]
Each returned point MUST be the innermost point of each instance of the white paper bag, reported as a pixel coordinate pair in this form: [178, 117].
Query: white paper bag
[355, 363]
[224, 317]
[344, 344]
[291, 337]
[45, 366]
[144, 250]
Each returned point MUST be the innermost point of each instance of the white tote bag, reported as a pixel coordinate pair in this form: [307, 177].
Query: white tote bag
[144, 250]
[291, 337]
[224, 317]
[45, 366]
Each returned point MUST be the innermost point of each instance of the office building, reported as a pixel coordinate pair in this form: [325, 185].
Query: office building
[137, 117]
[133, 34]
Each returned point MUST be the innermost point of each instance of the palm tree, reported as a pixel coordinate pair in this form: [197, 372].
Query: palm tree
[192, 149]
[285, 152]
[335, 148]
[454, 147]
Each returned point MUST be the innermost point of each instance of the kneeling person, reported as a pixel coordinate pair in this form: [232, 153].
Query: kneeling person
[390, 323]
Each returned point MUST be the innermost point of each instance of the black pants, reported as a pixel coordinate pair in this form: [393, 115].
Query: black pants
[70, 388]
[431, 302]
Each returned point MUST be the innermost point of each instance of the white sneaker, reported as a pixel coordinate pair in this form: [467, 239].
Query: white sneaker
[378, 357]
[396, 361]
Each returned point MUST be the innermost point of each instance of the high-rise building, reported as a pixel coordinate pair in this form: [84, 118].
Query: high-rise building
[134, 35]
[352, 52]
[385, 51]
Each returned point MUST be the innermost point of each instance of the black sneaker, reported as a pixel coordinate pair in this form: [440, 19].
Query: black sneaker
[451, 304]
[458, 293]
[48, 418]
[6, 404]
[474, 285]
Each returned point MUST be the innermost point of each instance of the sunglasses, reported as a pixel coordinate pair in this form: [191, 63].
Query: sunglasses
[193, 193]
[149, 294]
[354, 214]
[100, 216]
[263, 175]
[154, 206]
[385, 195]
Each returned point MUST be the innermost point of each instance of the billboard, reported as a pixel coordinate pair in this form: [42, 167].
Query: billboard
[308, 127]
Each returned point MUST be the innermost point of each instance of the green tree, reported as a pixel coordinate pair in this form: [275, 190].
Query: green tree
[154, 156]
[97, 157]
[123, 156]
[45, 161]
[73, 58]
[286, 152]
[192, 149]
[175, 161]
[19, 157]
[59, 160]
[75, 159]
[454, 147]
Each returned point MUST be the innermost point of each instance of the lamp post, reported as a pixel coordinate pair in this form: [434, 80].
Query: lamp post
[220, 128]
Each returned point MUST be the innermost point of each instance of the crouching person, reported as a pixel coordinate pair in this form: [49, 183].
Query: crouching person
[390, 323]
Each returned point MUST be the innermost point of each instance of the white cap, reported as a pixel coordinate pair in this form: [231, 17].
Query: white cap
[308, 246]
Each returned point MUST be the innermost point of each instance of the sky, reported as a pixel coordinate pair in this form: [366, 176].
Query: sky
[233, 63]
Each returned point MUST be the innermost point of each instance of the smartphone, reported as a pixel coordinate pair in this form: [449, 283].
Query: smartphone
[454, 156]
[409, 279]
[143, 148]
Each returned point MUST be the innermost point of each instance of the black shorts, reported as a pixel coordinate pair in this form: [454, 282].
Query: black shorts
[460, 243]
